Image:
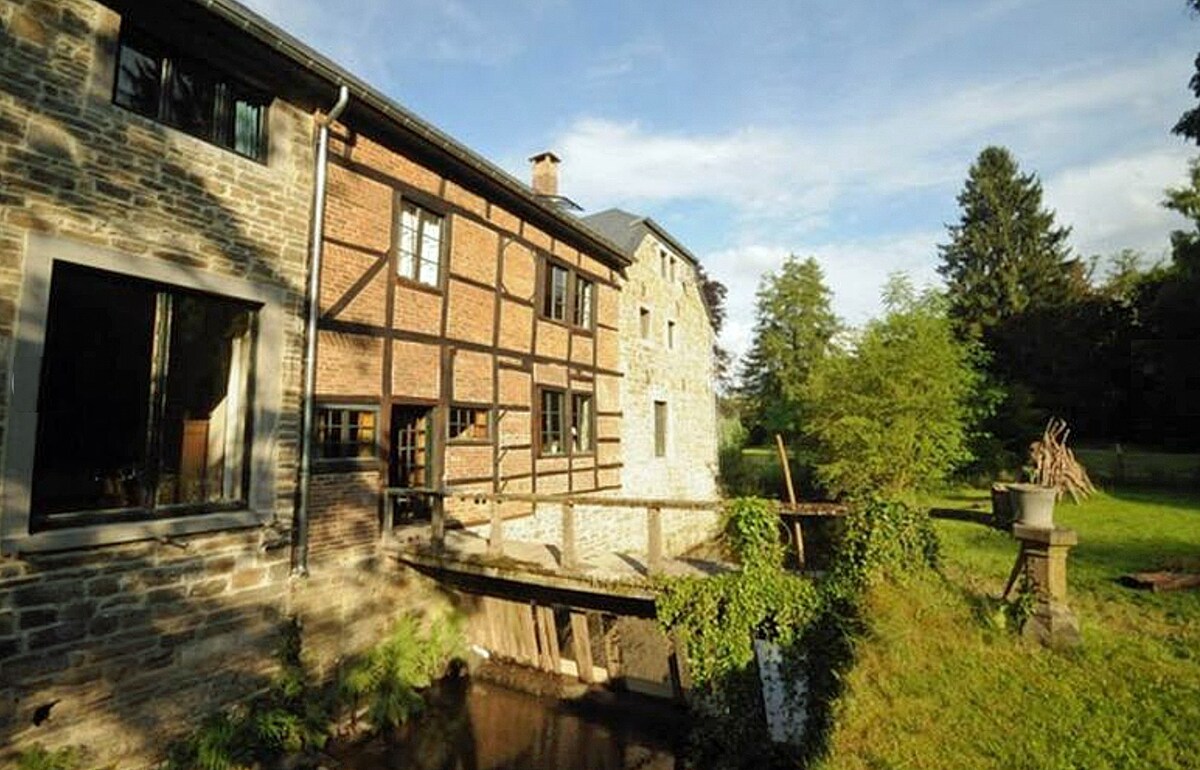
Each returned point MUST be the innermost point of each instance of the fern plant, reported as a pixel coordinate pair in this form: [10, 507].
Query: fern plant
[388, 679]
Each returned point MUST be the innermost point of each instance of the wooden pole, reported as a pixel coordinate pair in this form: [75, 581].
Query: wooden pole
[570, 558]
[654, 540]
[787, 469]
[496, 530]
[797, 532]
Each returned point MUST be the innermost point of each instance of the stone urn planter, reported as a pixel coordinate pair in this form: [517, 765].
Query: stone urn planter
[1032, 505]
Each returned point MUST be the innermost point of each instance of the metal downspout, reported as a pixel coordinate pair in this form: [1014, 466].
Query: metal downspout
[300, 557]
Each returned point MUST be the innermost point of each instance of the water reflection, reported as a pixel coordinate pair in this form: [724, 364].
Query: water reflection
[479, 726]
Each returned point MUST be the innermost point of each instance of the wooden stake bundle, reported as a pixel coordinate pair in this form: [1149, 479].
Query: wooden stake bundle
[1054, 465]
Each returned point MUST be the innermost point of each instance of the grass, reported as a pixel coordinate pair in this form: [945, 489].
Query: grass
[938, 682]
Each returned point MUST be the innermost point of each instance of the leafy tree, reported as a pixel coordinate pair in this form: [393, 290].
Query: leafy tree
[892, 415]
[794, 324]
[1189, 122]
[1165, 366]
[1005, 254]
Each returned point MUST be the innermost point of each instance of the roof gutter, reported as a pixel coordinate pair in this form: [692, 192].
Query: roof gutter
[274, 37]
[313, 309]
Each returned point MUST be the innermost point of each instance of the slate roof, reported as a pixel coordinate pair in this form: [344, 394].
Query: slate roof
[628, 230]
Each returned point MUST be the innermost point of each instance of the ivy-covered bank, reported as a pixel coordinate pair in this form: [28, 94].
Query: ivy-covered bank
[813, 621]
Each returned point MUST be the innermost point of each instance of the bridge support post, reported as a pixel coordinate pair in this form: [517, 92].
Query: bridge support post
[654, 540]
[570, 557]
[496, 530]
[437, 524]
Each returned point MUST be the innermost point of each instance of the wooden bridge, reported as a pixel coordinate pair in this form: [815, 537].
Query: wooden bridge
[549, 606]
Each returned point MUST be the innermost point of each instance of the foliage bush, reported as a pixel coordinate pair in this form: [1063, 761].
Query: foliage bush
[893, 414]
[717, 618]
[288, 718]
[388, 679]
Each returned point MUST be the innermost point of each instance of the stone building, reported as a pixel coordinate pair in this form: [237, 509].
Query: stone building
[668, 397]
[158, 172]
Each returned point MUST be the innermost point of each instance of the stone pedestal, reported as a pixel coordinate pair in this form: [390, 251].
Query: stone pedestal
[1044, 561]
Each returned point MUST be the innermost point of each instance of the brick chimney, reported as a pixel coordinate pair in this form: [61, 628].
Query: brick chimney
[545, 174]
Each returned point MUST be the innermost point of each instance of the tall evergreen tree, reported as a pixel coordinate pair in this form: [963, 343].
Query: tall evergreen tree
[794, 324]
[1006, 254]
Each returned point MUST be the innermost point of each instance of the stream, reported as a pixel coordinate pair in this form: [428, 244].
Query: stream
[477, 725]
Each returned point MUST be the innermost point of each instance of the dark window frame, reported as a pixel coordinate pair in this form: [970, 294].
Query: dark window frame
[573, 278]
[590, 448]
[567, 418]
[228, 92]
[337, 462]
[162, 342]
[459, 439]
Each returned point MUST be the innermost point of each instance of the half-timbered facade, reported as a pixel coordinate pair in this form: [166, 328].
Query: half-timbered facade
[464, 344]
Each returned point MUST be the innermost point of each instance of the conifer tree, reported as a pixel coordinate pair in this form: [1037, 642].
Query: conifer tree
[794, 324]
[1005, 255]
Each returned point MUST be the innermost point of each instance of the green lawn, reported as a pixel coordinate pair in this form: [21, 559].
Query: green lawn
[939, 683]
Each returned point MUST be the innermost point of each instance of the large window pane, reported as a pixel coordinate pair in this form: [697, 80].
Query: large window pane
[189, 102]
[144, 398]
[203, 424]
[139, 76]
[94, 394]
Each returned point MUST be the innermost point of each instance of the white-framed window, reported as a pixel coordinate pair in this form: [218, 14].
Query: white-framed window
[420, 246]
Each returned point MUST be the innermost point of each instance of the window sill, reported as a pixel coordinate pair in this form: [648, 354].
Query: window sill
[421, 286]
[73, 538]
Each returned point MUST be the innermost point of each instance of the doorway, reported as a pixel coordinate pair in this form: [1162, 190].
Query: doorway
[409, 466]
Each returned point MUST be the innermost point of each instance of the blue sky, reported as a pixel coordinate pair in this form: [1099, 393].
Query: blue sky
[841, 129]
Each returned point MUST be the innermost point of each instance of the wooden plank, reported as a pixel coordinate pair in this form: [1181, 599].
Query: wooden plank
[496, 530]
[612, 654]
[528, 633]
[1162, 581]
[654, 540]
[550, 631]
[570, 558]
[581, 642]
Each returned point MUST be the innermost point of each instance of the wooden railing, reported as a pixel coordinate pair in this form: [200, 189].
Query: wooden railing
[568, 543]
[569, 550]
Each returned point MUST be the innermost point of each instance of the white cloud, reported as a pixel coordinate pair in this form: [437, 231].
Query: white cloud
[855, 271]
[1117, 203]
[801, 172]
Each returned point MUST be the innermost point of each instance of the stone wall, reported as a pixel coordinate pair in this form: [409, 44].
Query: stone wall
[121, 647]
[679, 374]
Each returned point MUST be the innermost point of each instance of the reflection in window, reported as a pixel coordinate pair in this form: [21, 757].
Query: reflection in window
[552, 429]
[420, 244]
[144, 399]
[582, 420]
[554, 296]
[584, 289]
[344, 433]
[468, 424]
[189, 95]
